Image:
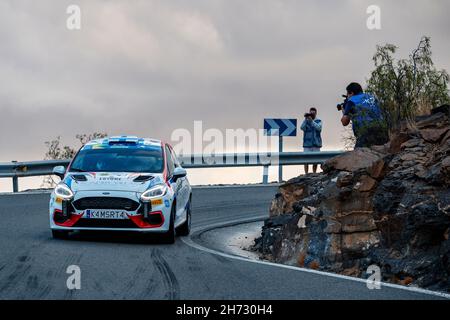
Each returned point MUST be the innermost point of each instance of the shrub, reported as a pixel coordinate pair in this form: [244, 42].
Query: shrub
[407, 87]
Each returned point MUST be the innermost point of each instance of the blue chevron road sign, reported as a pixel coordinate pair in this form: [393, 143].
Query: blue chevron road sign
[280, 127]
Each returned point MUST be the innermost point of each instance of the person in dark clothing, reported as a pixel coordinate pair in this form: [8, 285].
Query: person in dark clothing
[367, 121]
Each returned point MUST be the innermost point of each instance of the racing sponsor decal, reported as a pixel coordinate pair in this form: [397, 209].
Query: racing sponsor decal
[106, 178]
[68, 181]
[110, 178]
[157, 202]
[167, 203]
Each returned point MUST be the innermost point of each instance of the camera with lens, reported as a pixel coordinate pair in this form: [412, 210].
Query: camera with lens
[308, 115]
[341, 106]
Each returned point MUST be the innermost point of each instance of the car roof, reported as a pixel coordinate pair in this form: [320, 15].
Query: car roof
[131, 141]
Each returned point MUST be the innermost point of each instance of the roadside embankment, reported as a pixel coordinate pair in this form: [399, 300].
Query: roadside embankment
[387, 206]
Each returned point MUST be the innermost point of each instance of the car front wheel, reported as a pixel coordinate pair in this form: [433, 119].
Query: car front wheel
[169, 236]
[185, 228]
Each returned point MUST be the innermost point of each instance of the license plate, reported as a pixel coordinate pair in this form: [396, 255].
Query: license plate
[105, 214]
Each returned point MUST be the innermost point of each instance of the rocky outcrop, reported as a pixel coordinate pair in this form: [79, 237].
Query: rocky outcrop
[386, 205]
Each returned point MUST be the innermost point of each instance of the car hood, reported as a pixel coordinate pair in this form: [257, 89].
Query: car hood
[112, 181]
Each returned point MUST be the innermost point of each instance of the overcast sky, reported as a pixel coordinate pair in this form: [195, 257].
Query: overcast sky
[149, 67]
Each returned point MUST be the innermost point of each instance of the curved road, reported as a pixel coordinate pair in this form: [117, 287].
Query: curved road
[117, 266]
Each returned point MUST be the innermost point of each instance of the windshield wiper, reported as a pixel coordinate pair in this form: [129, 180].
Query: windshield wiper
[77, 170]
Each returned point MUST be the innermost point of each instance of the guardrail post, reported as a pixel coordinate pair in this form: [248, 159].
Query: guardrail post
[266, 174]
[280, 167]
[15, 181]
[15, 184]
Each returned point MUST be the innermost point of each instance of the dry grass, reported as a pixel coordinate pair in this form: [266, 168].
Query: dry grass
[405, 281]
[423, 107]
[314, 265]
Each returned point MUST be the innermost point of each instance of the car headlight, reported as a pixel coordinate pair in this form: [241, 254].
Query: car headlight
[63, 191]
[156, 191]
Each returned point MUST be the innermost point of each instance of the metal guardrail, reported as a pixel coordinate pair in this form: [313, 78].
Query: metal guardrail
[256, 159]
[16, 170]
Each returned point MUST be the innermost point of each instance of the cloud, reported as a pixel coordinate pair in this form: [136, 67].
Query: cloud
[149, 67]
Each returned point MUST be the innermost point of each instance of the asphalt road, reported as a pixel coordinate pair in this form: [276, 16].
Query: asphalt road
[119, 266]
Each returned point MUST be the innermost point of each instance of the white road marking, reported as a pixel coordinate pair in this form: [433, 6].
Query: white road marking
[197, 231]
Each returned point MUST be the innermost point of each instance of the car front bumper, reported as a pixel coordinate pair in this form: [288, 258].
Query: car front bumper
[70, 215]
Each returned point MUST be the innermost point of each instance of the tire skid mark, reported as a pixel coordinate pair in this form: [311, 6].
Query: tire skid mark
[44, 292]
[169, 278]
[130, 286]
[142, 283]
[32, 282]
[222, 259]
[21, 270]
[149, 289]
[193, 265]
[73, 259]
[68, 295]
[38, 289]
[98, 286]
[24, 276]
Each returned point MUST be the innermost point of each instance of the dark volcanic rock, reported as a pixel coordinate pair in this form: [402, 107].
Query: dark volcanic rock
[387, 205]
[445, 109]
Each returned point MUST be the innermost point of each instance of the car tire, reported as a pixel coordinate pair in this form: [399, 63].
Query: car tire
[185, 228]
[169, 236]
[60, 234]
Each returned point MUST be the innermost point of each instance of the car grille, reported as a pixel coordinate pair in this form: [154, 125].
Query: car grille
[106, 203]
[105, 223]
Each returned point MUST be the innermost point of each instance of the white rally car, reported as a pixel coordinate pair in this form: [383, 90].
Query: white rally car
[122, 184]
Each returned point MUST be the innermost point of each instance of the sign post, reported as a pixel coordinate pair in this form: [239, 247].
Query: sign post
[281, 128]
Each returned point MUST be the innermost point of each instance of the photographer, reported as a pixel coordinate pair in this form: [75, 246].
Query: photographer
[367, 121]
[312, 141]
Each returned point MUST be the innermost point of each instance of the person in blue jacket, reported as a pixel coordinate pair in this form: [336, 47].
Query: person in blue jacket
[312, 140]
[366, 117]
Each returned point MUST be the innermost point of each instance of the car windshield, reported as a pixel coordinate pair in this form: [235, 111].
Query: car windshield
[119, 159]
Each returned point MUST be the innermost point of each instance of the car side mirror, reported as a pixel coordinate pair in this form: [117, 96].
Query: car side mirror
[179, 172]
[59, 171]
